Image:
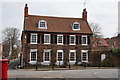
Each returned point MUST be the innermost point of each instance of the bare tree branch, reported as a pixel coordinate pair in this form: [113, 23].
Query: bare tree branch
[96, 30]
[10, 37]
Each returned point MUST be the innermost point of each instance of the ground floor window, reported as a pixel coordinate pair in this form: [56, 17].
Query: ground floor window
[84, 56]
[72, 55]
[59, 55]
[47, 55]
[33, 55]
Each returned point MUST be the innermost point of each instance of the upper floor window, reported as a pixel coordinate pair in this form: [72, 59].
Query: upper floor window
[59, 39]
[76, 26]
[46, 38]
[42, 24]
[84, 40]
[33, 39]
[72, 39]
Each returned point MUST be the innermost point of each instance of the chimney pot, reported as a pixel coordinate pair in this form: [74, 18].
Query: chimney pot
[26, 11]
[84, 14]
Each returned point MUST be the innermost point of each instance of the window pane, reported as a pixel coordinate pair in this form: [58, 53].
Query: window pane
[47, 39]
[76, 26]
[33, 38]
[60, 39]
[84, 39]
[59, 56]
[84, 56]
[72, 56]
[99, 43]
[33, 56]
[42, 24]
[47, 56]
[72, 39]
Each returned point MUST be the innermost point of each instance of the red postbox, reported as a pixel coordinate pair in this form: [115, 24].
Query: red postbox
[4, 69]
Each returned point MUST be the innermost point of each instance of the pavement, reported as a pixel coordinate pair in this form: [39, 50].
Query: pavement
[14, 63]
[63, 74]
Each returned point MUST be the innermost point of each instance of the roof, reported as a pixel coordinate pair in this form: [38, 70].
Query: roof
[56, 24]
[98, 47]
[114, 41]
[95, 40]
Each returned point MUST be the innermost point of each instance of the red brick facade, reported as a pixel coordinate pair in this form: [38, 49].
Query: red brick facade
[56, 26]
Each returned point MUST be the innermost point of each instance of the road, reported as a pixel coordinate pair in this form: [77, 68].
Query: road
[84, 73]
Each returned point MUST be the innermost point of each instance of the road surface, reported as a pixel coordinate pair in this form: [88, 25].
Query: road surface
[84, 73]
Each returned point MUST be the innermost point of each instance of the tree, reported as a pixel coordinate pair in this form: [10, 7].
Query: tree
[96, 30]
[11, 37]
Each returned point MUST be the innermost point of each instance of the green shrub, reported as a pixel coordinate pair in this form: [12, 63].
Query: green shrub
[108, 62]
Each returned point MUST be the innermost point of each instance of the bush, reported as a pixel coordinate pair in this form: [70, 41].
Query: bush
[108, 62]
[116, 51]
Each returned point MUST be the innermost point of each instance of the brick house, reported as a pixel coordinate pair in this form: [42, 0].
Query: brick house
[55, 40]
[114, 42]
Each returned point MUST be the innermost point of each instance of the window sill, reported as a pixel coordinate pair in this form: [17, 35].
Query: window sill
[59, 61]
[84, 44]
[47, 43]
[85, 61]
[72, 61]
[59, 43]
[42, 28]
[33, 43]
[76, 29]
[46, 61]
[72, 44]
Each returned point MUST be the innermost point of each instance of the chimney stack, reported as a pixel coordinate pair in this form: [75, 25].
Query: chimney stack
[84, 14]
[26, 11]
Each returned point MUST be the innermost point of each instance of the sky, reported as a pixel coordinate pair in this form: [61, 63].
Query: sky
[102, 12]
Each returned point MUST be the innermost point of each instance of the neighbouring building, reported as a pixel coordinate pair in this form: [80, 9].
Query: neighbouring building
[58, 40]
[100, 49]
[1, 50]
[114, 42]
[6, 50]
[99, 44]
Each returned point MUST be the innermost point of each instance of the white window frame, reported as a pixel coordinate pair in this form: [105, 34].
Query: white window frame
[57, 40]
[74, 40]
[62, 55]
[82, 40]
[31, 39]
[42, 27]
[33, 50]
[74, 55]
[74, 24]
[47, 50]
[84, 51]
[49, 38]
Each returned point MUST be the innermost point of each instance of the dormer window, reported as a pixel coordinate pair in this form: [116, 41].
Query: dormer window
[42, 24]
[99, 43]
[76, 26]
